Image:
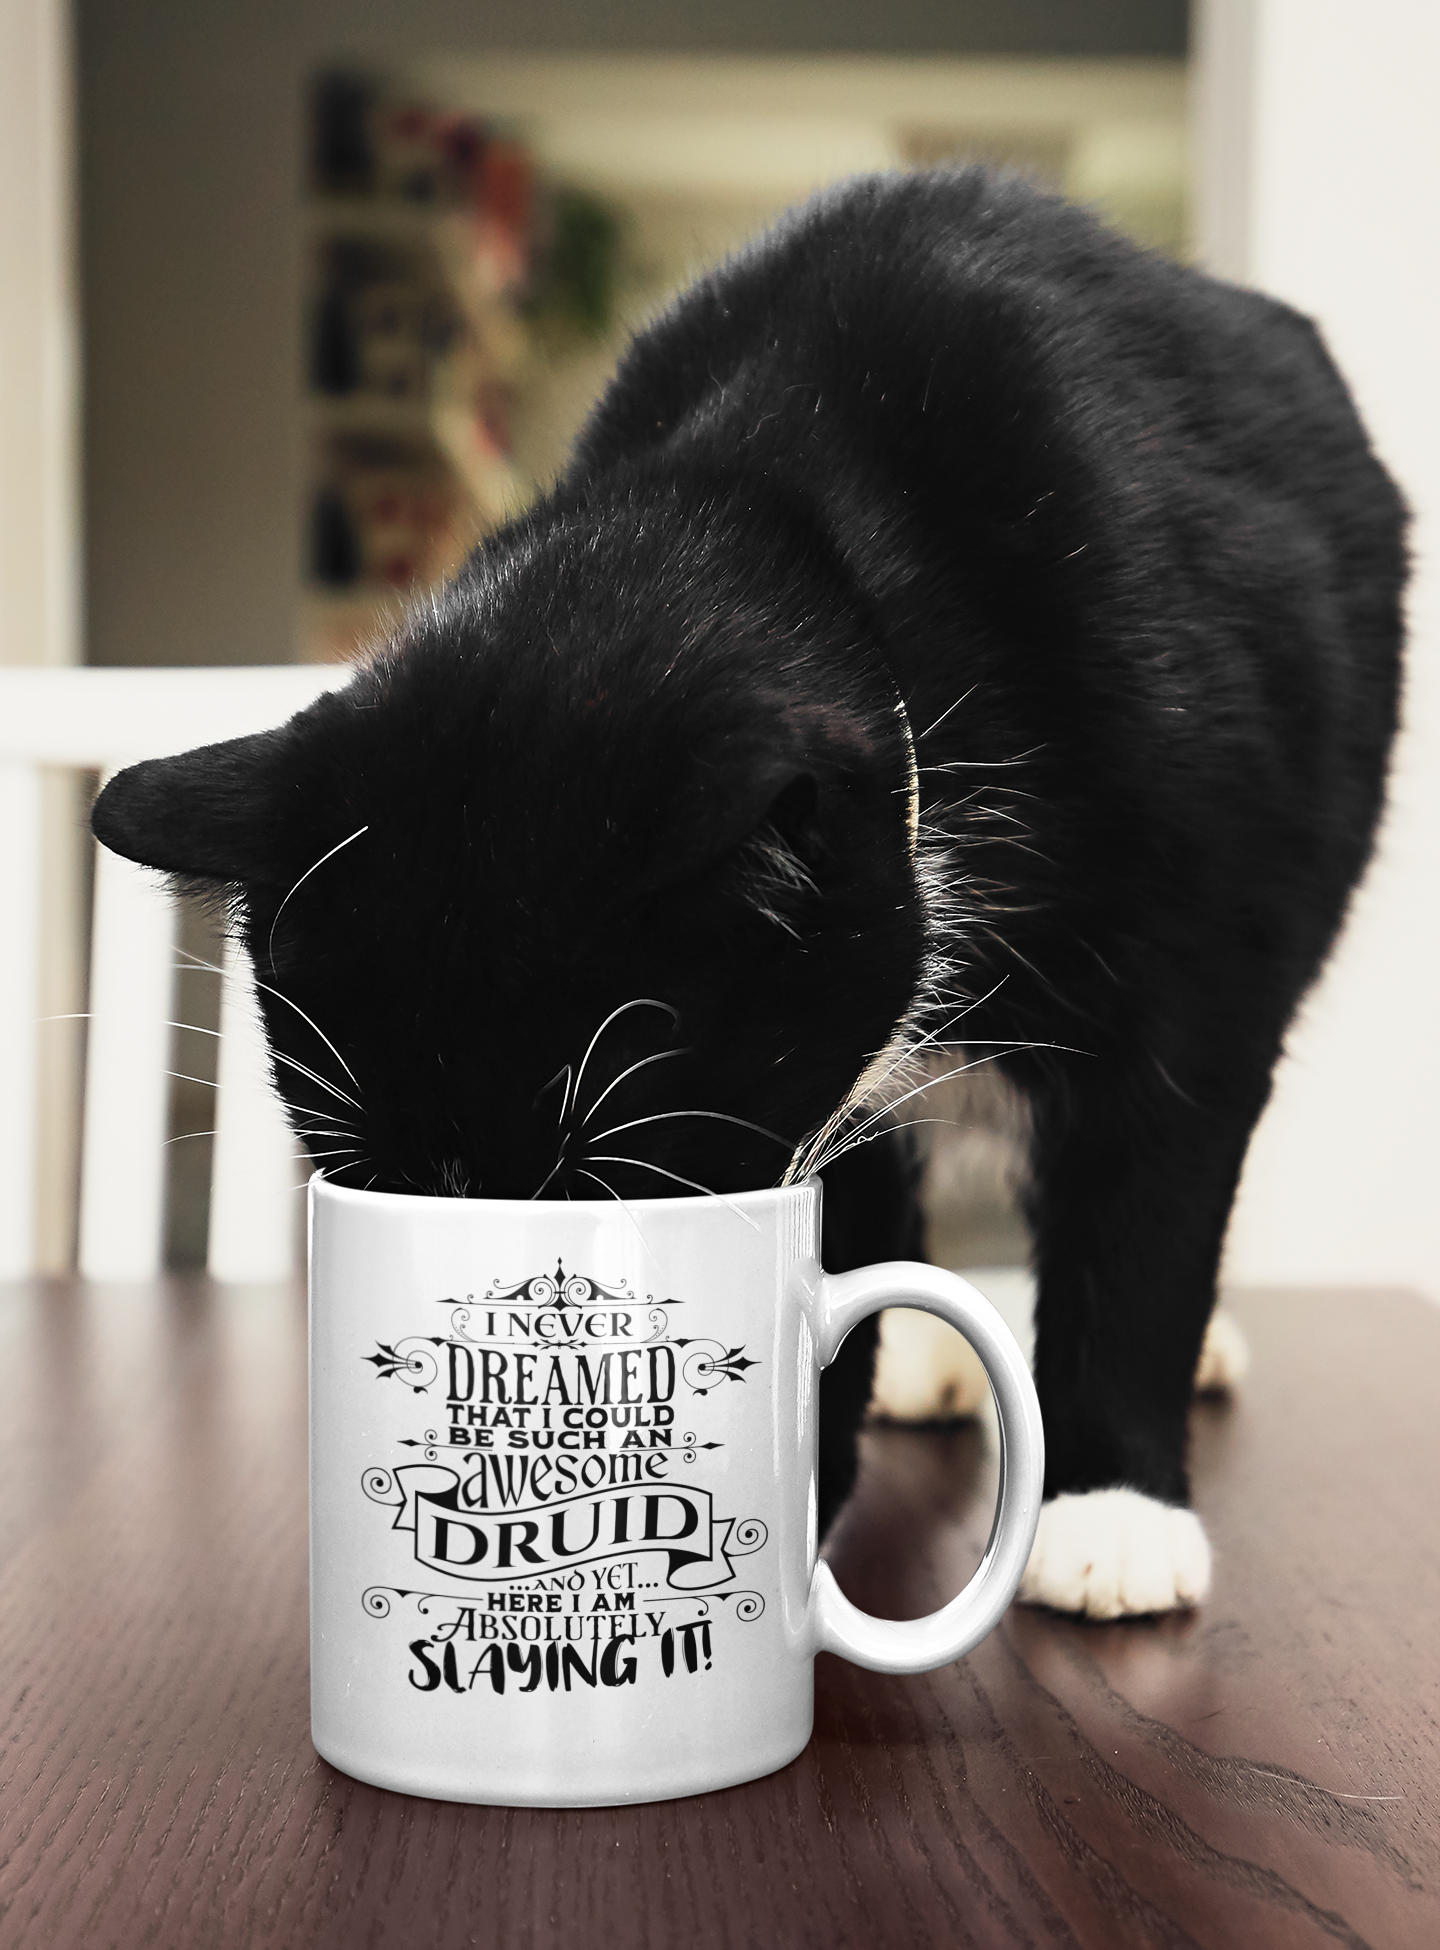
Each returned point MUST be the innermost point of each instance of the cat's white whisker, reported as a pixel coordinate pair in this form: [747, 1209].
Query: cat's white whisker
[351, 1164]
[851, 1138]
[90, 1015]
[187, 961]
[892, 1104]
[723, 1116]
[304, 1070]
[983, 764]
[199, 1029]
[907, 1048]
[195, 963]
[281, 997]
[659, 1057]
[454, 1179]
[639, 1002]
[559, 1162]
[995, 812]
[211, 1083]
[945, 714]
[900, 1124]
[270, 944]
[567, 1071]
[595, 1176]
[872, 1136]
[819, 1152]
[1009, 948]
[644, 1164]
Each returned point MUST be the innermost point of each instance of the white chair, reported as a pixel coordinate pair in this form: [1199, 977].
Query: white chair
[99, 720]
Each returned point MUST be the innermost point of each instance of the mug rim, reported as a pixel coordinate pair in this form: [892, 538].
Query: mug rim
[321, 1186]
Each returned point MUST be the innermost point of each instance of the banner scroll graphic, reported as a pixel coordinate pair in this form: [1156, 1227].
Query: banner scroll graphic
[674, 1521]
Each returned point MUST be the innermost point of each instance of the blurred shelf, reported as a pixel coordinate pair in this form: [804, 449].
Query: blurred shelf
[368, 413]
[376, 216]
[471, 256]
[495, 487]
[421, 295]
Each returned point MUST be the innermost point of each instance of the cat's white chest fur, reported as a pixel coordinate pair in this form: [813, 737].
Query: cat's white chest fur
[1108, 1553]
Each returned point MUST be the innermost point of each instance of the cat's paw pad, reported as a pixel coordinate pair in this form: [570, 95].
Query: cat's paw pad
[1224, 1357]
[1116, 1554]
[925, 1371]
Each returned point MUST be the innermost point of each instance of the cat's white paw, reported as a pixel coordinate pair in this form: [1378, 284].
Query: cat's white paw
[1224, 1357]
[1116, 1553]
[925, 1371]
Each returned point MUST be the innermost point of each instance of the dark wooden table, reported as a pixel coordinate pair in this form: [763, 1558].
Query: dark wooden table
[1265, 1773]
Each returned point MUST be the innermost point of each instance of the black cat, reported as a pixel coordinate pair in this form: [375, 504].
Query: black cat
[941, 474]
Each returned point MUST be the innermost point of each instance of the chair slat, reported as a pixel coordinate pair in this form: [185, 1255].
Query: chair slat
[127, 1083]
[19, 1008]
[255, 1209]
[92, 717]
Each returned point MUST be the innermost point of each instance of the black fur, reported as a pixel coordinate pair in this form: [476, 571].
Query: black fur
[1114, 534]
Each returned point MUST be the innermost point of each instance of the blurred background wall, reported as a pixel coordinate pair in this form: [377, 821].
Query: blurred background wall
[206, 237]
[192, 161]
[483, 233]
[1317, 173]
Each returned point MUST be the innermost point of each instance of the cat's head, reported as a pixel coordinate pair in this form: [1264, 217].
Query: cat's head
[612, 845]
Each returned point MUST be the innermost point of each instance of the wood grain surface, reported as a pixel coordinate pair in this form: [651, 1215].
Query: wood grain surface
[1264, 1773]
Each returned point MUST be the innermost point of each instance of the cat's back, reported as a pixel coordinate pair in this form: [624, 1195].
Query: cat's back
[956, 351]
[968, 297]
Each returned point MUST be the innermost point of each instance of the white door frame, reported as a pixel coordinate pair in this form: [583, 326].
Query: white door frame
[1317, 176]
[40, 622]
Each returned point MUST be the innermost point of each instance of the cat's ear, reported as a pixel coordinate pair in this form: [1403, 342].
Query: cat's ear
[721, 808]
[204, 814]
[793, 812]
[803, 796]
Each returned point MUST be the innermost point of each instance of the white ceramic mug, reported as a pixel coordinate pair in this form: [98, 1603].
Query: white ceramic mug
[563, 1490]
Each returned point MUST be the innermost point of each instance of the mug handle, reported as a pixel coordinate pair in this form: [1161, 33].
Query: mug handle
[920, 1644]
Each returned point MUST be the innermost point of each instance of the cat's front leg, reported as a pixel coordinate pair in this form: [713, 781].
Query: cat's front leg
[872, 1213]
[1131, 1191]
